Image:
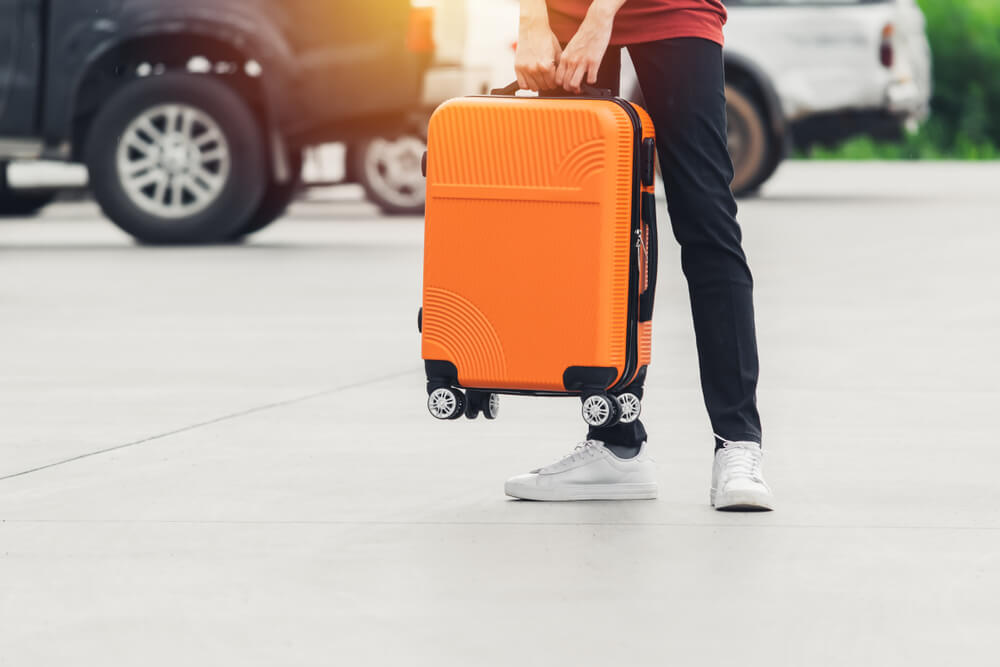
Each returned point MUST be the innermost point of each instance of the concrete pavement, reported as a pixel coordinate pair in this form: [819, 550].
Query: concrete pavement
[222, 455]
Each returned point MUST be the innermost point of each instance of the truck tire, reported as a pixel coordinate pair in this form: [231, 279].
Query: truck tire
[749, 145]
[177, 158]
[773, 162]
[20, 203]
[389, 171]
[277, 196]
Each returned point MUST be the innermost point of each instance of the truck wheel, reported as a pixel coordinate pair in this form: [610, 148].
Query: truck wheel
[389, 171]
[748, 141]
[276, 198]
[177, 158]
[16, 203]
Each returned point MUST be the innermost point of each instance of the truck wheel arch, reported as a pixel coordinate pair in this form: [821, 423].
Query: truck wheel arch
[107, 66]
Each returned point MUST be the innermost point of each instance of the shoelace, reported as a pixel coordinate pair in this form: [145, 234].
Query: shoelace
[743, 460]
[587, 449]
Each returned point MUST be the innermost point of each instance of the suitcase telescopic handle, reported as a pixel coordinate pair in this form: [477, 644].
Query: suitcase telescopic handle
[652, 257]
[586, 91]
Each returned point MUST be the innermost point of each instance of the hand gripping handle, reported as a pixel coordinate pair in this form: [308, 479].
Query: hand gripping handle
[586, 91]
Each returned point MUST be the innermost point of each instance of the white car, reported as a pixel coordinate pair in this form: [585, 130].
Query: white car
[808, 69]
[817, 70]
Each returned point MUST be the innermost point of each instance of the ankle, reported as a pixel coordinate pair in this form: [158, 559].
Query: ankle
[720, 442]
[623, 451]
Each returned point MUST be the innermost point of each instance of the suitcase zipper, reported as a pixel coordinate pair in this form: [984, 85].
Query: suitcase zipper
[632, 324]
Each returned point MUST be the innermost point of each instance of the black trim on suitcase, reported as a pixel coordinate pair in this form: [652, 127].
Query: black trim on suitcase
[640, 379]
[589, 378]
[632, 323]
[445, 374]
[648, 161]
[441, 373]
[647, 297]
[581, 380]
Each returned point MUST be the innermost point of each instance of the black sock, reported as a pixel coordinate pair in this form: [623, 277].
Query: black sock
[623, 451]
[624, 440]
[720, 443]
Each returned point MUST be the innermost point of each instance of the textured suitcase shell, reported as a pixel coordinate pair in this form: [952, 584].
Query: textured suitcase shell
[528, 241]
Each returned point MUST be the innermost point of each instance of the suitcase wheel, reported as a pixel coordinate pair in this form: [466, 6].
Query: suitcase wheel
[630, 407]
[487, 403]
[491, 407]
[600, 410]
[446, 403]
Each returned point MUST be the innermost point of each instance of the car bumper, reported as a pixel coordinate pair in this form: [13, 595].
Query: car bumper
[907, 100]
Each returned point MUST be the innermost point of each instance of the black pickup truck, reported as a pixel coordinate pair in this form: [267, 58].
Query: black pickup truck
[191, 115]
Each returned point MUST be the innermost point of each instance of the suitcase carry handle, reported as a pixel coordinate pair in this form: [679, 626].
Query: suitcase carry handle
[649, 216]
[586, 88]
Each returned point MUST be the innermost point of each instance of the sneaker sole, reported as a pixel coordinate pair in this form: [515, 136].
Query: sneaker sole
[584, 492]
[742, 501]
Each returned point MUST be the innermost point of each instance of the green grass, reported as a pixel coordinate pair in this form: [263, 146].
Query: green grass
[930, 142]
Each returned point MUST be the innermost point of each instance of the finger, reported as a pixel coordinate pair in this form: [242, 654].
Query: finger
[561, 72]
[574, 82]
[524, 77]
[549, 75]
[592, 70]
[556, 62]
[531, 81]
[568, 70]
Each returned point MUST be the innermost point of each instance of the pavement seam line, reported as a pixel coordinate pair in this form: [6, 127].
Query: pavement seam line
[209, 422]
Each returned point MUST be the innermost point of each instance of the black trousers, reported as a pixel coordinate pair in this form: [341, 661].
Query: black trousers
[682, 82]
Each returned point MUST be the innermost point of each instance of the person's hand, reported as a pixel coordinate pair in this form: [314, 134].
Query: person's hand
[584, 53]
[537, 56]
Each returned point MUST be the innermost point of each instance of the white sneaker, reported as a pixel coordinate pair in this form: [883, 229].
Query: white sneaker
[737, 479]
[589, 472]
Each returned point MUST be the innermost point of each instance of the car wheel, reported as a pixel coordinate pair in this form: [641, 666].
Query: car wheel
[389, 171]
[764, 174]
[747, 140]
[277, 196]
[177, 158]
[16, 203]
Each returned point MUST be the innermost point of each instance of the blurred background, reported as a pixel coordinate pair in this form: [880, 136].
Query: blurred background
[307, 94]
[214, 442]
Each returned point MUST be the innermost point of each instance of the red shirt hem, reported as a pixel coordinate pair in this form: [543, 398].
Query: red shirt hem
[650, 25]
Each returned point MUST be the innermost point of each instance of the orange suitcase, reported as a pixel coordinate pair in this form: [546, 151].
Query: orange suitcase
[539, 253]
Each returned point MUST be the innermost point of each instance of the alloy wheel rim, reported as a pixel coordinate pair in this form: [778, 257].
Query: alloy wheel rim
[630, 406]
[173, 161]
[442, 403]
[393, 166]
[595, 410]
